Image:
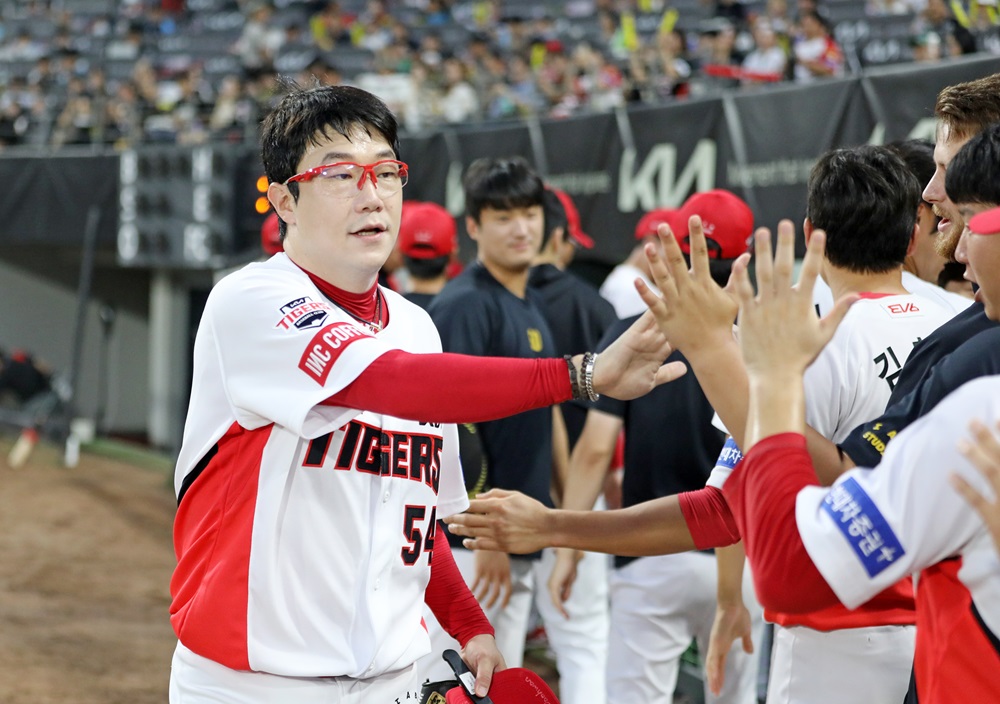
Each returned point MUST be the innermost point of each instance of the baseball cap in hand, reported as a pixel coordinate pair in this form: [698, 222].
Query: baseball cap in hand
[654, 218]
[986, 222]
[426, 231]
[726, 219]
[573, 220]
[515, 685]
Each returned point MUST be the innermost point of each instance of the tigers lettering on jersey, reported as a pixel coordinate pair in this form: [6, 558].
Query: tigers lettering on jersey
[863, 525]
[370, 450]
[302, 314]
[328, 344]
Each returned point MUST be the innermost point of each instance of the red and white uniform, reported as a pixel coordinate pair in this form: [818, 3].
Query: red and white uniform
[874, 527]
[849, 383]
[302, 530]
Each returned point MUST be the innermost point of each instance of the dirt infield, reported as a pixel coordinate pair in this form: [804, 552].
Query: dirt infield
[85, 563]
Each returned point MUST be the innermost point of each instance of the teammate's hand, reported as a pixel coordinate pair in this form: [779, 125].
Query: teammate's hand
[732, 622]
[693, 311]
[632, 365]
[483, 658]
[492, 580]
[562, 577]
[983, 451]
[780, 333]
[502, 520]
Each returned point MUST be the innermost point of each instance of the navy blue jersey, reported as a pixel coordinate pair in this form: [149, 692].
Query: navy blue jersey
[421, 299]
[476, 315]
[976, 357]
[670, 443]
[578, 317]
[927, 352]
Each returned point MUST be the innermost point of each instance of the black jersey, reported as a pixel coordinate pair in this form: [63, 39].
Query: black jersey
[976, 357]
[670, 443]
[578, 317]
[476, 315]
[927, 352]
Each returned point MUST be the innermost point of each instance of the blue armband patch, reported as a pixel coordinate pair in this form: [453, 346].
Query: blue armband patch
[863, 525]
[730, 455]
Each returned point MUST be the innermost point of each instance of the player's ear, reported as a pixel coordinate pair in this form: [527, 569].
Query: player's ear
[282, 201]
[913, 237]
[472, 227]
[807, 230]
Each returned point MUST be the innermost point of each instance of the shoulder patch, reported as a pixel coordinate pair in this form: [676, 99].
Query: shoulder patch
[302, 314]
[326, 346]
[863, 526]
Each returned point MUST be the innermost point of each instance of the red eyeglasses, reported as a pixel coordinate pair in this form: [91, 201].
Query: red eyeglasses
[345, 178]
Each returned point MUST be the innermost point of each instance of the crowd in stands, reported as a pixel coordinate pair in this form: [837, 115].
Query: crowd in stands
[190, 71]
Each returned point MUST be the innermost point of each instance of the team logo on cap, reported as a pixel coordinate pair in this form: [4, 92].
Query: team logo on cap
[302, 314]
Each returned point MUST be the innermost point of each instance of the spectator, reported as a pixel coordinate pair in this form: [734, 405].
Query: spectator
[459, 102]
[330, 27]
[768, 61]
[817, 54]
[661, 71]
[259, 41]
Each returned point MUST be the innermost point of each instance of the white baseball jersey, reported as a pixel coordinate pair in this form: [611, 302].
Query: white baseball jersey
[618, 289]
[872, 528]
[303, 530]
[851, 380]
[823, 296]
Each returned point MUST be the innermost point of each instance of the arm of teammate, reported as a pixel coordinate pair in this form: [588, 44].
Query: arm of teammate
[588, 467]
[732, 618]
[458, 612]
[560, 455]
[696, 315]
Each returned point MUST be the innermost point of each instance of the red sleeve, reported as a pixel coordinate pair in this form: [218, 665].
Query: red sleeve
[761, 492]
[449, 598]
[455, 388]
[708, 518]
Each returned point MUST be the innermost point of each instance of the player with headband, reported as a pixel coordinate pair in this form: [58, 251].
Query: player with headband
[319, 447]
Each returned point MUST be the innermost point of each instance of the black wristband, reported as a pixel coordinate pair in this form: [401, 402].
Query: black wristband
[574, 381]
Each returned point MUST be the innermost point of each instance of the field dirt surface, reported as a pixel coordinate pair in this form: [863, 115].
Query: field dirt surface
[85, 564]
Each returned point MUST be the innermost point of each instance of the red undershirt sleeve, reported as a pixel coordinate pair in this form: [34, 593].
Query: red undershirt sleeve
[708, 518]
[450, 599]
[761, 493]
[455, 388]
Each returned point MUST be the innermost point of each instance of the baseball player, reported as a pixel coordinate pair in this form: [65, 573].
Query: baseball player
[318, 451]
[428, 240]
[812, 547]
[659, 604]
[490, 310]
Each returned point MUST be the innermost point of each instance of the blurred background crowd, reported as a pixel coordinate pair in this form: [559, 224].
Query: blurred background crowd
[122, 72]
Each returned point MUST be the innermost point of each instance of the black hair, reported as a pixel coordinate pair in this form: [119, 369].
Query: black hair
[501, 184]
[426, 268]
[555, 215]
[973, 176]
[951, 271]
[866, 199]
[307, 115]
[919, 157]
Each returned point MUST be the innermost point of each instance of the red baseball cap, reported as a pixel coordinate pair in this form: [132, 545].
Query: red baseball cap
[986, 222]
[270, 235]
[573, 220]
[426, 231]
[515, 685]
[654, 218]
[726, 219]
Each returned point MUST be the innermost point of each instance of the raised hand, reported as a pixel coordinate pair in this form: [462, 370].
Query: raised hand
[780, 333]
[693, 310]
[632, 365]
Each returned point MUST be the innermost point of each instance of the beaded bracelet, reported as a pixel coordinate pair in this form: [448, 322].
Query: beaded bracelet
[574, 380]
